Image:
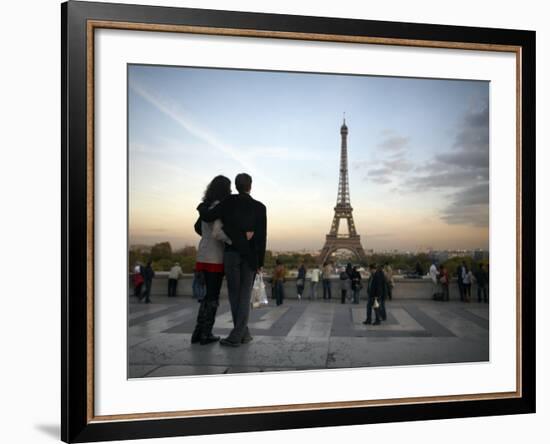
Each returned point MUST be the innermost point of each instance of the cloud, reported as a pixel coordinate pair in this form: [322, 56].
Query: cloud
[471, 144]
[383, 180]
[461, 172]
[376, 172]
[388, 160]
[464, 159]
[393, 160]
[393, 142]
[466, 163]
[469, 206]
[399, 164]
[444, 178]
[478, 118]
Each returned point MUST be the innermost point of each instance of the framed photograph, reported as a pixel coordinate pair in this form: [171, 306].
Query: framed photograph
[275, 222]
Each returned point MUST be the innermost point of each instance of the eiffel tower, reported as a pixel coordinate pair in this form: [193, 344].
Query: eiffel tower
[343, 210]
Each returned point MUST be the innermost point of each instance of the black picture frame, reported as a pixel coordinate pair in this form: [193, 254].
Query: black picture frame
[76, 423]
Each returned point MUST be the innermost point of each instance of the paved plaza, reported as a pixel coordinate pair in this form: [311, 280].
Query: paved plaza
[305, 335]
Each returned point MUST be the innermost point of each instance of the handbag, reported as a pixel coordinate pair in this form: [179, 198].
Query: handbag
[138, 279]
[259, 295]
[376, 303]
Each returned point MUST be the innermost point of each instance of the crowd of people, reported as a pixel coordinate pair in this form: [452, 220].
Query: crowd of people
[465, 278]
[379, 286]
[143, 280]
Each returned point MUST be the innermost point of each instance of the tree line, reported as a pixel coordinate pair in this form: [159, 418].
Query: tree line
[163, 257]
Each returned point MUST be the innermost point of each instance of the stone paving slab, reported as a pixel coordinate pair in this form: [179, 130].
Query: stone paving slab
[140, 371]
[303, 335]
[186, 370]
[170, 349]
[400, 320]
[362, 352]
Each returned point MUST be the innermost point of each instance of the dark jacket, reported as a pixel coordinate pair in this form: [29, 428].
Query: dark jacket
[377, 286]
[482, 278]
[240, 213]
[355, 280]
[148, 273]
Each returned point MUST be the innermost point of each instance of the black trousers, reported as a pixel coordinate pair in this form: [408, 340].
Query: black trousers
[327, 292]
[172, 287]
[370, 307]
[147, 294]
[461, 290]
[209, 305]
[445, 292]
[240, 278]
[278, 288]
[382, 308]
[482, 290]
[467, 292]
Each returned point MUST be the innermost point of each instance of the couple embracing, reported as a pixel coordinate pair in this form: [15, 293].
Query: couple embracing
[233, 230]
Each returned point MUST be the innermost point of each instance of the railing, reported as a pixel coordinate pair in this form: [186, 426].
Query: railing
[403, 288]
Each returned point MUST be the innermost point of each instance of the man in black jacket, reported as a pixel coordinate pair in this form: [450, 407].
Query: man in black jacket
[240, 214]
[376, 291]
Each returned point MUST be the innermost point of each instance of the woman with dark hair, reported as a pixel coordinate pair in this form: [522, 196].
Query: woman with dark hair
[210, 261]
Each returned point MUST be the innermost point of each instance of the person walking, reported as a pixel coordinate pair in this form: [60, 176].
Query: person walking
[467, 280]
[244, 221]
[301, 280]
[173, 276]
[444, 282]
[314, 282]
[482, 280]
[356, 284]
[345, 286]
[327, 271]
[278, 281]
[148, 275]
[376, 288]
[209, 267]
[388, 272]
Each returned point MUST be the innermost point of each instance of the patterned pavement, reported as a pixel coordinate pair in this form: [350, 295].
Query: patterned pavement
[305, 335]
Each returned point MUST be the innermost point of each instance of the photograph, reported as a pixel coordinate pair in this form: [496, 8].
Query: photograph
[277, 221]
[283, 221]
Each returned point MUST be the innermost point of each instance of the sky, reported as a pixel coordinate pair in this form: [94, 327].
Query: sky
[418, 153]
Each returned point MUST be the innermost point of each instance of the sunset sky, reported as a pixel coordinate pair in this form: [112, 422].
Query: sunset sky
[418, 154]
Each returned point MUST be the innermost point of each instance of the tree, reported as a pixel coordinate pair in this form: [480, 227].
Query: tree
[189, 251]
[162, 250]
